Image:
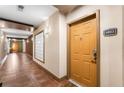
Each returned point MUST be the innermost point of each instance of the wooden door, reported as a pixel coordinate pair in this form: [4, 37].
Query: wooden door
[16, 46]
[83, 52]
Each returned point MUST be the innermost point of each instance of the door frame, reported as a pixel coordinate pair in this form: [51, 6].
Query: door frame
[97, 13]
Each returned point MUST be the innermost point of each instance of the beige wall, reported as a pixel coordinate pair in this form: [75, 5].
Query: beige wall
[63, 46]
[123, 40]
[3, 46]
[111, 47]
[55, 59]
[111, 72]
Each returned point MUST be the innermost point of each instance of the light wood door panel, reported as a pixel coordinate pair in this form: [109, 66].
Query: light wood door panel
[82, 44]
[75, 59]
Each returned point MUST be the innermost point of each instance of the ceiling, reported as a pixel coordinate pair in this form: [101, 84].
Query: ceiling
[16, 33]
[10, 24]
[65, 9]
[31, 14]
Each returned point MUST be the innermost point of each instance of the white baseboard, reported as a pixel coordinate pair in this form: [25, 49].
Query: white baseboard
[3, 60]
[75, 83]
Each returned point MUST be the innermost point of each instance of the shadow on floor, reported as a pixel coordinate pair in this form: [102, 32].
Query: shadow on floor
[0, 84]
[69, 85]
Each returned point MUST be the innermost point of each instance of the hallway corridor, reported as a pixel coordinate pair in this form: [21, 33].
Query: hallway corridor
[20, 71]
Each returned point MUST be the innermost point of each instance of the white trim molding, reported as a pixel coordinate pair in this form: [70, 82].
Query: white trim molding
[3, 60]
[75, 83]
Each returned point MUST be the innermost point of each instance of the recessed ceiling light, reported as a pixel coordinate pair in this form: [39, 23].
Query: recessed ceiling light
[2, 25]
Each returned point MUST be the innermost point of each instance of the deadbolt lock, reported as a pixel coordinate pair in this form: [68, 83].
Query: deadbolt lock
[94, 55]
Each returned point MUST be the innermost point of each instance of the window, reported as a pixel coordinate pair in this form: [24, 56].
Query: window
[39, 46]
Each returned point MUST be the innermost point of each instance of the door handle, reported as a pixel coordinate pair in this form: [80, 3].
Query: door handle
[94, 55]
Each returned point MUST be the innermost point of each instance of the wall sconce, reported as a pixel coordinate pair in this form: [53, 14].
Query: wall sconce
[27, 41]
[9, 39]
[1, 34]
[1, 37]
[23, 40]
[32, 39]
[14, 40]
[2, 25]
[47, 30]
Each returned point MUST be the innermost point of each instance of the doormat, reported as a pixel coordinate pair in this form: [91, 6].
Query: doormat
[0, 84]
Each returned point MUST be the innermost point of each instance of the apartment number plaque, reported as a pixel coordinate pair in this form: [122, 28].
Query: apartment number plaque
[110, 32]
